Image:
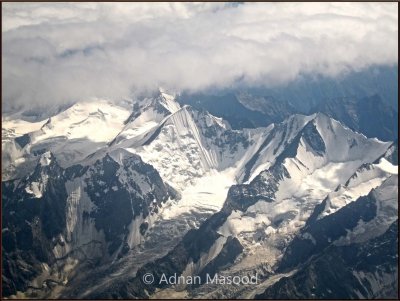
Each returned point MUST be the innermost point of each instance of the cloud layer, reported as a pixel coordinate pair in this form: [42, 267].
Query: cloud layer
[57, 52]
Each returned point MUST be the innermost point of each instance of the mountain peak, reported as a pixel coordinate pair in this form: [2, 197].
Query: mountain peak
[168, 101]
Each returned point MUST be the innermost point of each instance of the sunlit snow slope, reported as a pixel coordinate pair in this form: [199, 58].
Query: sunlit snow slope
[126, 181]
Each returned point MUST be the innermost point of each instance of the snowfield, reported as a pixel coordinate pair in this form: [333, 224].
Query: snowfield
[301, 163]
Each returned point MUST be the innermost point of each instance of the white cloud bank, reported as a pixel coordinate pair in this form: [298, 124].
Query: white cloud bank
[58, 52]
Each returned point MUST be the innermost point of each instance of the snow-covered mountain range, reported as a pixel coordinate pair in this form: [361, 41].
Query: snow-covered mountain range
[106, 192]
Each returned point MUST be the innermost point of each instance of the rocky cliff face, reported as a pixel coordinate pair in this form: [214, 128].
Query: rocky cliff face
[171, 190]
[277, 211]
[55, 218]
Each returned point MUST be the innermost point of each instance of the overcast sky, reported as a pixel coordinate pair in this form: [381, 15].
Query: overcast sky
[58, 52]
